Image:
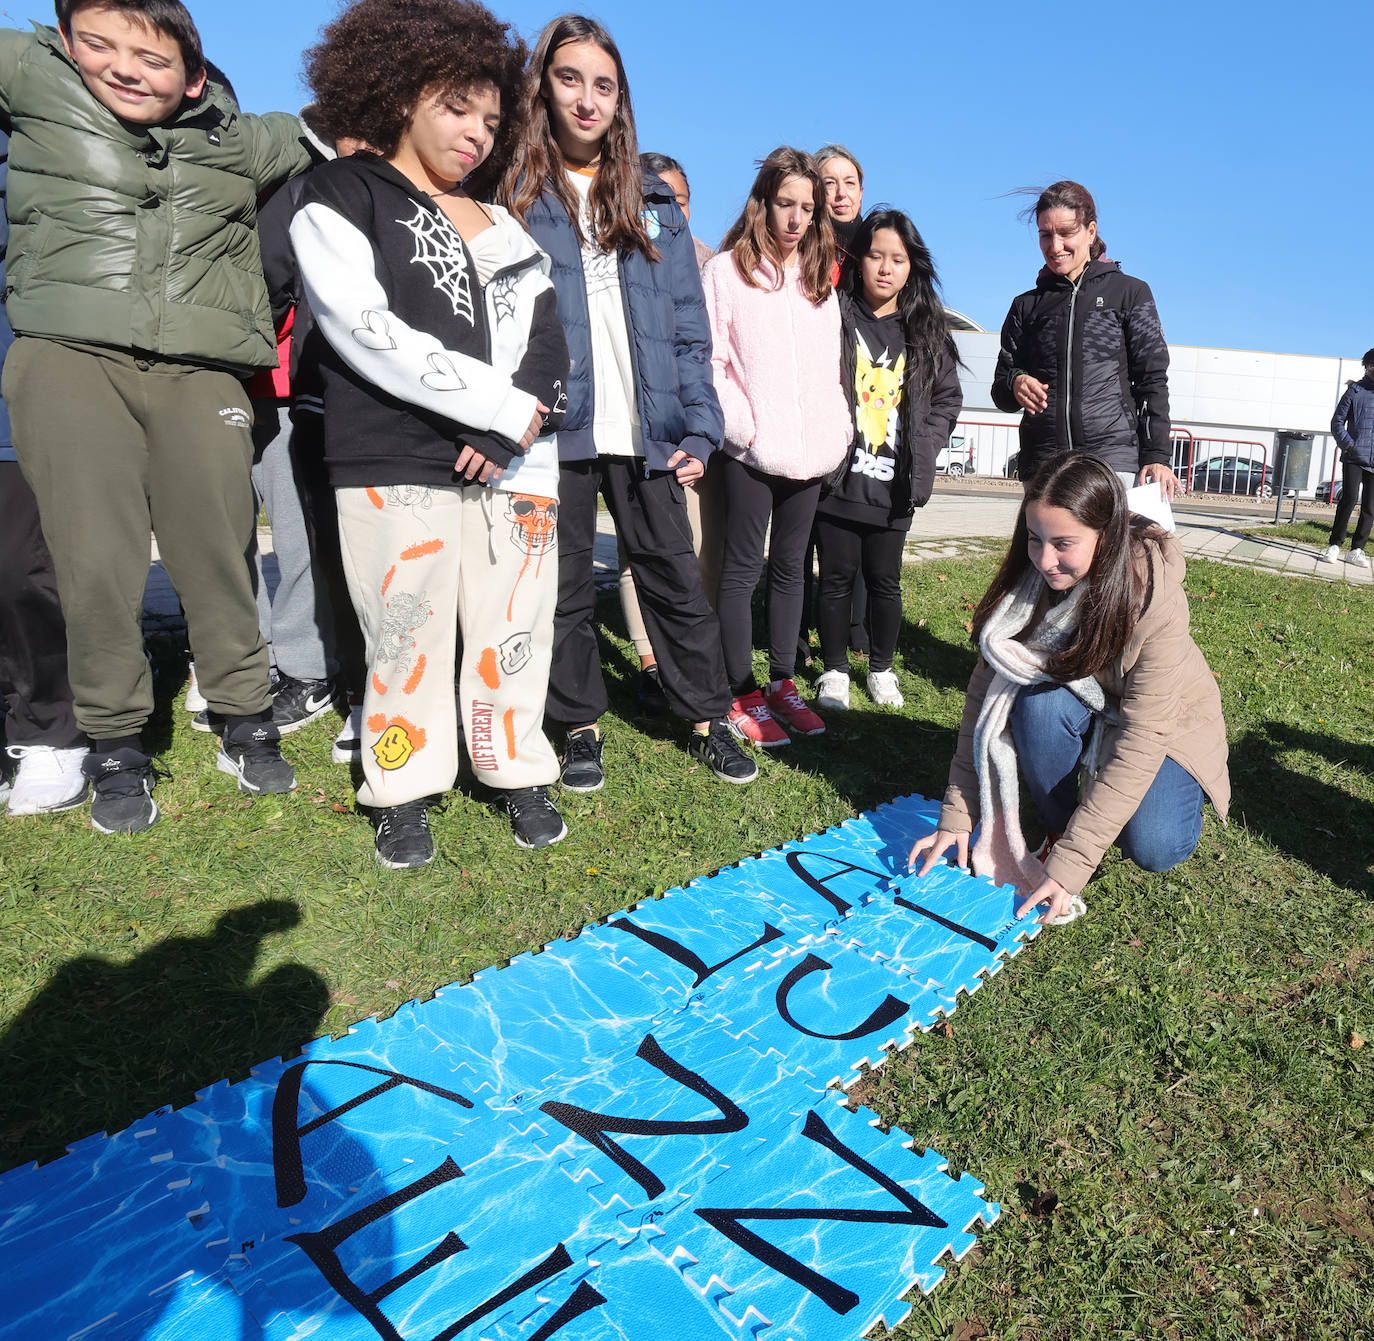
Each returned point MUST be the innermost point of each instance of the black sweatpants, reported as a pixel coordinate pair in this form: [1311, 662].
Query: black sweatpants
[848, 548]
[33, 637]
[752, 500]
[650, 515]
[1356, 481]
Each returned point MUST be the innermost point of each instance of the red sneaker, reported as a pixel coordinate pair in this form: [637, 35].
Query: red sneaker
[786, 704]
[750, 720]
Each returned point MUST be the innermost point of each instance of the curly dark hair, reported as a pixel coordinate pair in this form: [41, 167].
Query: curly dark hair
[379, 56]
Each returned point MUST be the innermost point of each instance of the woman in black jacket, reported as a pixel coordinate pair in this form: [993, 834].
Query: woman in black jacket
[1353, 428]
[1083, 353]
[899, 367]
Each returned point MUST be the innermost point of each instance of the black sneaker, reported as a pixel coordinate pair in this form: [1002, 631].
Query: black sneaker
[300, 701]
[403, 839]
[251, 752]
[122, 795]
[203, 721]
[653, 702]
[582, 771]
[718, 750]
[534, 819]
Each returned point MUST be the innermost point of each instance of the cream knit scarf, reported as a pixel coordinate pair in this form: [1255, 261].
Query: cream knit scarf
[1000, 852]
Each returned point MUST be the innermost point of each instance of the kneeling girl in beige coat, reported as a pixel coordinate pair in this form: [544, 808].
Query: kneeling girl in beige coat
[1089, 687]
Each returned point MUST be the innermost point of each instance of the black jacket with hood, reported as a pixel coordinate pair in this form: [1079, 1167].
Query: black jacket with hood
[1098, 345]
[418, 358]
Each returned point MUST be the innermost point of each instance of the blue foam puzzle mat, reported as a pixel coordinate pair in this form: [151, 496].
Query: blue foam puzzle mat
[636, 1132]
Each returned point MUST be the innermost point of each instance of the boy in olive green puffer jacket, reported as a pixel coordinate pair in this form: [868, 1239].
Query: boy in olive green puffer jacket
[135, 290]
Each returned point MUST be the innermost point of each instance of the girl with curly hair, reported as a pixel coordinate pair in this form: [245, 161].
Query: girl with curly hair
[642, 414]
[444, 377]
[775, 326]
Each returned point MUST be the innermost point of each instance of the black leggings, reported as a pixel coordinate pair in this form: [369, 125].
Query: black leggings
[846, 548]
[752, 499]
[1353, 476]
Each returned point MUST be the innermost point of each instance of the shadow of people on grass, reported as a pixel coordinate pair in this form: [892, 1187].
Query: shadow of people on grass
[1320, 824]
[104, 1043]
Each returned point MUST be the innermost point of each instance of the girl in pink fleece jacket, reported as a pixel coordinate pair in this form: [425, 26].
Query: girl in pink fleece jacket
[775, 327]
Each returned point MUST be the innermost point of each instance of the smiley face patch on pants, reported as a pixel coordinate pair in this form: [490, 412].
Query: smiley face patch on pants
[397, 740]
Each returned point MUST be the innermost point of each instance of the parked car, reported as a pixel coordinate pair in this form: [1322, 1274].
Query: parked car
[1231, 475]
[1329, 491]
[955, 458]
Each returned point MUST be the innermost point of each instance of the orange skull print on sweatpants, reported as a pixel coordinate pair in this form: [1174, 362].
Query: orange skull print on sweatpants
[422, 562]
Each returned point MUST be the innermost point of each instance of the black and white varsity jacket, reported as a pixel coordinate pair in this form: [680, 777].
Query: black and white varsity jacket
[420, 358]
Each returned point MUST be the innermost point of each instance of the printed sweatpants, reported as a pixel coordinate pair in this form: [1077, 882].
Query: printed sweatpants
[423, 561]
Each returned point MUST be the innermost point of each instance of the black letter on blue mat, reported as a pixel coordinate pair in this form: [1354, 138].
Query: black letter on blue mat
[666, 945]
[594, 1126]
[819, 882]
[837, 1297]
[889, 1010]
[955, 927]
[286, 1135]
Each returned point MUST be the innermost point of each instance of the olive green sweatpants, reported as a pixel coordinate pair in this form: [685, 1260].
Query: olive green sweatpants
[116, 446]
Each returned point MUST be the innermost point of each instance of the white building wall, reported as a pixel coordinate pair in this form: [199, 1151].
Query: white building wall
[1238, 397]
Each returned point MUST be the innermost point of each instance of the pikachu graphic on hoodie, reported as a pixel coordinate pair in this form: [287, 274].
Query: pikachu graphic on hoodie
[877, 394]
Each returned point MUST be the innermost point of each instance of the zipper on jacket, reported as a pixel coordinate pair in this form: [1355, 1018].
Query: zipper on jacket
[1068, 365]
[621, 256]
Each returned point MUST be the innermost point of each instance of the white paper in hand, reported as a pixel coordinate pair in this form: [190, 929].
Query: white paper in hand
[1148, 500]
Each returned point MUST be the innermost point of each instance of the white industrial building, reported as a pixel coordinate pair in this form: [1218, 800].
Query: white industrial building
[1223, 403]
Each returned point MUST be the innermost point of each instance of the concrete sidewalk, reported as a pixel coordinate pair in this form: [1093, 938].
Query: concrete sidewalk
[947, 526]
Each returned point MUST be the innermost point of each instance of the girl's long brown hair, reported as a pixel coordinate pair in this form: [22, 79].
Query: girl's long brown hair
[1117, 591]
[751, 242]
[616, 200]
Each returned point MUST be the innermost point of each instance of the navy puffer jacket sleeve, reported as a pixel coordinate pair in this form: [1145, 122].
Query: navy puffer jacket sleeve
[1353, 424]
[670, 338]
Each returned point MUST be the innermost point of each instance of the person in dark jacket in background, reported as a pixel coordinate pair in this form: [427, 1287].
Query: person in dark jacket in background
[1353, 427]
[1083, 353]
[642, 414]
[37, 722]
[843, 179]
[901, 369]
[705, 506]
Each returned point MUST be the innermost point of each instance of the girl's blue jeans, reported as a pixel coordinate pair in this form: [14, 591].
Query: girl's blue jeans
[1050, 725]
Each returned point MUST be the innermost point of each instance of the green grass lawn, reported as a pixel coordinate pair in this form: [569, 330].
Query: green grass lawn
[1170, 1098]
[1314, 533]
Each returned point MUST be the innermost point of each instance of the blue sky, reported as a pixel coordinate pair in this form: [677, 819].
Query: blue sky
[1227, 145]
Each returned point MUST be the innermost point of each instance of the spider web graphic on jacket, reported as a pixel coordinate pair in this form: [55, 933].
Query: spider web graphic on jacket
[439, 248]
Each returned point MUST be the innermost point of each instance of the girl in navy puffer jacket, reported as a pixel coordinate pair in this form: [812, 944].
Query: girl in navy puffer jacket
[642, 415]
[1353, 426]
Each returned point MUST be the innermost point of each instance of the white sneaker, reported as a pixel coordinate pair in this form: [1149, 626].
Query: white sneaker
[832, 692]
[882, 689]
[195, 700]
[348, 744]
[48, 780]
[1359, 558]
[1332, 554]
